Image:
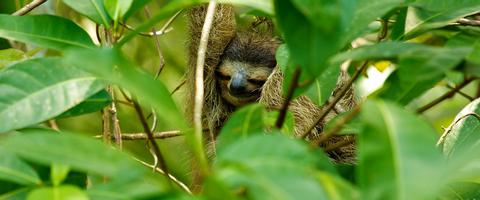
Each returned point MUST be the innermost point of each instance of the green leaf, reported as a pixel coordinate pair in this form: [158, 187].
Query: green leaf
[117, 8]
[240, 124]
[10, 56]
[323, 39]
[420, 72]
[264, 171]
[36, 90]
[44, 31]
[58, 173]
[366, 12]
[94, 103]
[438, 14]
[323, 86]
[81, 153]
[397, 157]
[110, 65]
[136, 5]
[383, 50]
[18, 194]
[462, 134]
[398, 29]
[93, 9]
[15, 170]
[65, 192]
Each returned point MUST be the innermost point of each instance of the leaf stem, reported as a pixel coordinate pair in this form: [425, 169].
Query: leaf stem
[29, 7]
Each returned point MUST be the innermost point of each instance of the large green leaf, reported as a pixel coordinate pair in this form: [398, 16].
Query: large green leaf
[440, 13]
[463, 134]
[65, 192]
[397, 157]
[44, 31]
[383, 50]
[419, 73]
[94, 103]
[265, 171]
[14, 169]
[240, 124]
[110, 65]
[93, 9]
[80, 153]
[117, 8]
[367, 11]
[310, 43]
[36, 90]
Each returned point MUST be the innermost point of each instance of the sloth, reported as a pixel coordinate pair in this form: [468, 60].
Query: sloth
[240, 68]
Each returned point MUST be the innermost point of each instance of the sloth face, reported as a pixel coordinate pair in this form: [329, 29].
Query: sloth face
[241, 83]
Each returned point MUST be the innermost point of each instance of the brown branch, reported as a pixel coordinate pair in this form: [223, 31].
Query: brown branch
[150, 138]
[463, 94]
[337, 126]
[336, 99]
[143, 136]
[335, 146]
[447, 95]
[468, 22]
[291, 90]
[29, 7]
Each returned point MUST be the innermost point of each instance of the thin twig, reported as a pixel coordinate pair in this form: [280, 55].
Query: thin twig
[447, 95]
[178, 87]
[170, 176]
[112, 108]
[161, 64]
[342, 143]
[291, 90]
[468, 22]
[151, 139]
[463, 94]
[148, 34]
[337, 126]
[336, 99]
[53, 124]
[29, 7]
[199, 87]
[143, 136]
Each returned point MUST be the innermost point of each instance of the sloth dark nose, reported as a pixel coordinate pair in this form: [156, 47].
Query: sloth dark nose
[238, 84]
[237, 89]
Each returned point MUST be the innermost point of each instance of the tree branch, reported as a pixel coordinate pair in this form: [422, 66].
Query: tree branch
[447, 95]
[199, 87]
[143, 136]
[170, 176]
[29, 7]
[150, 138]
[291, 90]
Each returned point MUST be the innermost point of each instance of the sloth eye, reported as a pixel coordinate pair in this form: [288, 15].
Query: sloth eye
[256, 81]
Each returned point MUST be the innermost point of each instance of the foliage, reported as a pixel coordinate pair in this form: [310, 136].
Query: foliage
[51, 69]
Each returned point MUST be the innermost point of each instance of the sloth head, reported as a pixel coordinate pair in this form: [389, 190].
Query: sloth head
[246, 64]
